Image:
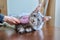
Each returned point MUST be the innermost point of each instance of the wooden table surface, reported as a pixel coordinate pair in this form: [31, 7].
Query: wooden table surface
[48, 33]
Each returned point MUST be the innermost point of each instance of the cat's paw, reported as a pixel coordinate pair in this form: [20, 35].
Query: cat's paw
[47, 18]
[21, 30]
[28, 29]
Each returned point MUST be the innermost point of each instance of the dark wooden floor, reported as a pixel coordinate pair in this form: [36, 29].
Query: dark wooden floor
[48, 33]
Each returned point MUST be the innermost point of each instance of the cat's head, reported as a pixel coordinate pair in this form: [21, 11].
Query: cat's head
[35, 19]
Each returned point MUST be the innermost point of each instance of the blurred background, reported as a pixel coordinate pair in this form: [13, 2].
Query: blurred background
[52, 9]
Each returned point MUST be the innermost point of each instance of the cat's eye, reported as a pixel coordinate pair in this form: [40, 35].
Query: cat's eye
[38, 19]
[34, 15]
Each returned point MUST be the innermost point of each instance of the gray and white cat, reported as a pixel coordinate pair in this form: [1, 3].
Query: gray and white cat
[34, 21]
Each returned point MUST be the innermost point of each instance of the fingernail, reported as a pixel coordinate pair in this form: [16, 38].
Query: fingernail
[14, 22]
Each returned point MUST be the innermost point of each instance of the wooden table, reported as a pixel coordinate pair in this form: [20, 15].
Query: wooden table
[48, 33]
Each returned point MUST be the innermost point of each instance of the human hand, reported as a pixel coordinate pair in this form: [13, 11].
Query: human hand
[11, 20]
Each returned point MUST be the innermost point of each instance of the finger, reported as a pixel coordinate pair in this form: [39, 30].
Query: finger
[11, 21]
[16, 20]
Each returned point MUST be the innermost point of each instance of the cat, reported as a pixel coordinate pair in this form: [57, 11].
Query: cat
[34, 20]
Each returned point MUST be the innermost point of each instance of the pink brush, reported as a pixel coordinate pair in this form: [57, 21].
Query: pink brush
[24, 19]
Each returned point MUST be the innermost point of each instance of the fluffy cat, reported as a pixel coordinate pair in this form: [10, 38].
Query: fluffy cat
[29, 22]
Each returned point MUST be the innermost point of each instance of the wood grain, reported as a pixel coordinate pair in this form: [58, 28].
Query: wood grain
[48, 33]
[3, 6]
[51, 12]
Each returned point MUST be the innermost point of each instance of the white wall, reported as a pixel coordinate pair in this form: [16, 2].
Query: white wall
[16, 7]
[57, 14]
